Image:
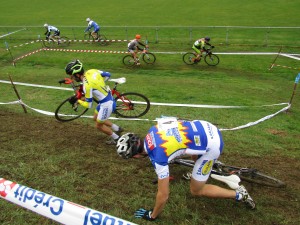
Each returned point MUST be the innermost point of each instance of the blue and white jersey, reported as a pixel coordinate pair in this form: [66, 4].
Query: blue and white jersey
[92, 24]
[170, 139]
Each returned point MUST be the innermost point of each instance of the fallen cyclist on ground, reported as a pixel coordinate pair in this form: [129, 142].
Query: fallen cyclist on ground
[171, 138]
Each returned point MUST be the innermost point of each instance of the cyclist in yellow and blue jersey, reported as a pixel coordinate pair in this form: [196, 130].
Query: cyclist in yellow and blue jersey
[171, 138]
[94, 87]
[199, 47]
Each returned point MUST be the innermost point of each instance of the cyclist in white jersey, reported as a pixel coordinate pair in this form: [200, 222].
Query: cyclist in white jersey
[50, 29]
[171, 138]
[133, 47]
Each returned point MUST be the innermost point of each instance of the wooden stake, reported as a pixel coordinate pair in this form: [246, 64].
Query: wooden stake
[16, 91]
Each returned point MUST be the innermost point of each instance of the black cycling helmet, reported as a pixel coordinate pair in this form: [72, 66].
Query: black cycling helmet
[207, 38]
[74, 67]
[129, 145]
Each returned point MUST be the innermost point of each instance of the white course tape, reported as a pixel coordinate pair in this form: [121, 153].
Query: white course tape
[55, 208]
[258, 121]
[152, 103]
[137, 119]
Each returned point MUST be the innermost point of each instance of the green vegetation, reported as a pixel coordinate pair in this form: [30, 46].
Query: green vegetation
[56, 158]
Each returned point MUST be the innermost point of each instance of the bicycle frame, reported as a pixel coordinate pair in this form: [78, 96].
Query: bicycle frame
[228, 174]
[127, 104]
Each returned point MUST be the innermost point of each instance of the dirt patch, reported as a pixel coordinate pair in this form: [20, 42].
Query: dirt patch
[77, 141]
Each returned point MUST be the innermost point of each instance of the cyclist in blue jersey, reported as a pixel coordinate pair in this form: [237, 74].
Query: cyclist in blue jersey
[94, 87]
[95, 26]
[50, 29]
[171, 138]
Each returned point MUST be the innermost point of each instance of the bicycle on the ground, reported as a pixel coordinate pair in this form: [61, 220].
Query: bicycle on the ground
[211, 59]
[99, 39]
[228, 174]
[128, 105]
[56, 41]
[144, 55]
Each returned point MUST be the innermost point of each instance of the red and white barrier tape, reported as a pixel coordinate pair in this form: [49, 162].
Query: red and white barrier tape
[68, 50]
[286, 67]
[79, 41]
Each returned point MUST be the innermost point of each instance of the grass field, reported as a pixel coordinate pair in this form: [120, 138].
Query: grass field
[71, 161]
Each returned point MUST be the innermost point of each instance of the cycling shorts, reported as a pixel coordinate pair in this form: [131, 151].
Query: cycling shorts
[197, 49]
[104, 110]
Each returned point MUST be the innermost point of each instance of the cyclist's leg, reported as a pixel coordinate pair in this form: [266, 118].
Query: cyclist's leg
[95, 34]
[102, 113]
[202, 170]
[198, 53]
[56, 36]
[133, 53]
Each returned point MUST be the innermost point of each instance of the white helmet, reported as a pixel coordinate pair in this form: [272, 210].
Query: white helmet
[88, 19]
[129, 145]
[45, 25]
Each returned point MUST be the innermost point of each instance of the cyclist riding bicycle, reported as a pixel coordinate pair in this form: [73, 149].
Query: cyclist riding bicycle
[171, 138]
[94, 87]
[133, 47]
[50, 29]
[95, 26]
[199, 47]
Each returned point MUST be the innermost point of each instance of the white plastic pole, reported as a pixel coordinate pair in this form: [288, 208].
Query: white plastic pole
[55, 208]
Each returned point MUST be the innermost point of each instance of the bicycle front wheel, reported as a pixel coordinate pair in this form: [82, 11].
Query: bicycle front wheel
[261, 178]
[250, 175]
[128, 60]
[67, 112]
[48, 43]
[64, 41]
[88, 36]
[149, 58]
[212, 59]
[132, 105]
[189, 58]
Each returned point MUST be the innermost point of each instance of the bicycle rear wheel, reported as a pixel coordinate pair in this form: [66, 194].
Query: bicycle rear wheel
[103, 40]
[64, 41]
[128, 60]
[65, 111]
[252, 176]
[212, 59]
[132, 105]
[189, 58]
[149, 58]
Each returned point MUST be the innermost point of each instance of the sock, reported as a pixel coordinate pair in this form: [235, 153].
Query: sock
[115, 127]
[238, 196]
[114, 136]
